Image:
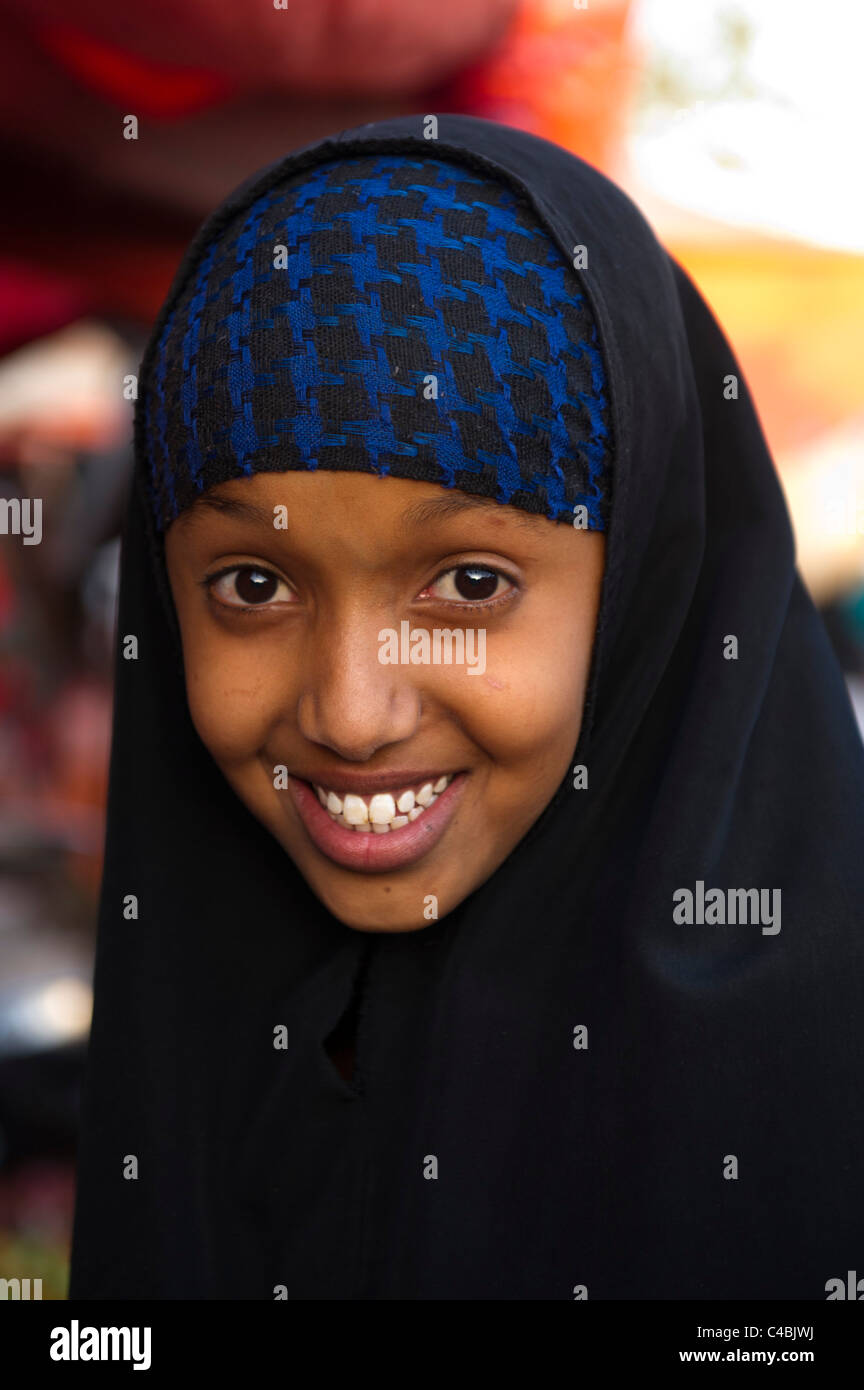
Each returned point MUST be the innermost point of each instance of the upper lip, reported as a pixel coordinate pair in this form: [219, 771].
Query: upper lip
[365, 784]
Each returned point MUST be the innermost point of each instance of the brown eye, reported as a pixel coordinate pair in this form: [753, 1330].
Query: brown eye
[248, 587]
[471, 583]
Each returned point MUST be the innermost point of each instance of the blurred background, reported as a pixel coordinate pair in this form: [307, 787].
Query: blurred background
[735, 127]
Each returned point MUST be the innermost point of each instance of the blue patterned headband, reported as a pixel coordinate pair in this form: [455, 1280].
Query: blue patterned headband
[384, 314]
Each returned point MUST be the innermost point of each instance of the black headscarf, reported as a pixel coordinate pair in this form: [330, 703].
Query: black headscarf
[560, 1091]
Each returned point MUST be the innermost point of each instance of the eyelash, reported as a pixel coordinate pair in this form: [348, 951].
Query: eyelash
[471, 604]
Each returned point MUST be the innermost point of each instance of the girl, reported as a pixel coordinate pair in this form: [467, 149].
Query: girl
[483, 880]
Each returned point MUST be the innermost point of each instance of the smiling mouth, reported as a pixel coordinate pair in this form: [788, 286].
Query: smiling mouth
[384, 837]
[383, 812]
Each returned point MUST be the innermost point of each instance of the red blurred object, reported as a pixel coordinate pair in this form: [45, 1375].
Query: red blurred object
[337, 49]
[564, 73]
[35, 301]
[140, 85]
[221, 89]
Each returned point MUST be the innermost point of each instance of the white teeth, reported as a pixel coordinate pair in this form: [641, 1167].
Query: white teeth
[384, 812]
[354, 810]
[382, 809]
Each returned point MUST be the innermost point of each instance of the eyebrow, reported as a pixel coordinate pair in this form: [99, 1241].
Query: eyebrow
[415, 517]
[436, 509]
[244, 511]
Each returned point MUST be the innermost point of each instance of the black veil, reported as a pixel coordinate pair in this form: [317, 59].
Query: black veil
[477, 1153]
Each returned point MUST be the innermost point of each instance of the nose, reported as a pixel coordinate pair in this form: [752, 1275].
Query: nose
[349, 701]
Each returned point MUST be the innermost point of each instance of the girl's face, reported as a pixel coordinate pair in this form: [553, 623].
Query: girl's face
[302, 598]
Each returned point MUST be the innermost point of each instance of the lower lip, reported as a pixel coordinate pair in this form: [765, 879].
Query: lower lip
[370, 853]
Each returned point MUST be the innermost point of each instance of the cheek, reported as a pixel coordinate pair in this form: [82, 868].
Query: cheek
[233, 701]
[527, 706]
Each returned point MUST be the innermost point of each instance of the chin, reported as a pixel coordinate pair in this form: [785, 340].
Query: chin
[378, 916]
[379, 928]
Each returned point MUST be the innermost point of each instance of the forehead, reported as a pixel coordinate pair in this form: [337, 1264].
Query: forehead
[330, 497]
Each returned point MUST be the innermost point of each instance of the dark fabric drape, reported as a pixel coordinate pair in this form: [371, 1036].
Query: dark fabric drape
[557, 1166]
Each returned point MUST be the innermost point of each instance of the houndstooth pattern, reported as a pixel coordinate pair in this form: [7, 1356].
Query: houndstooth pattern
[419, 322]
